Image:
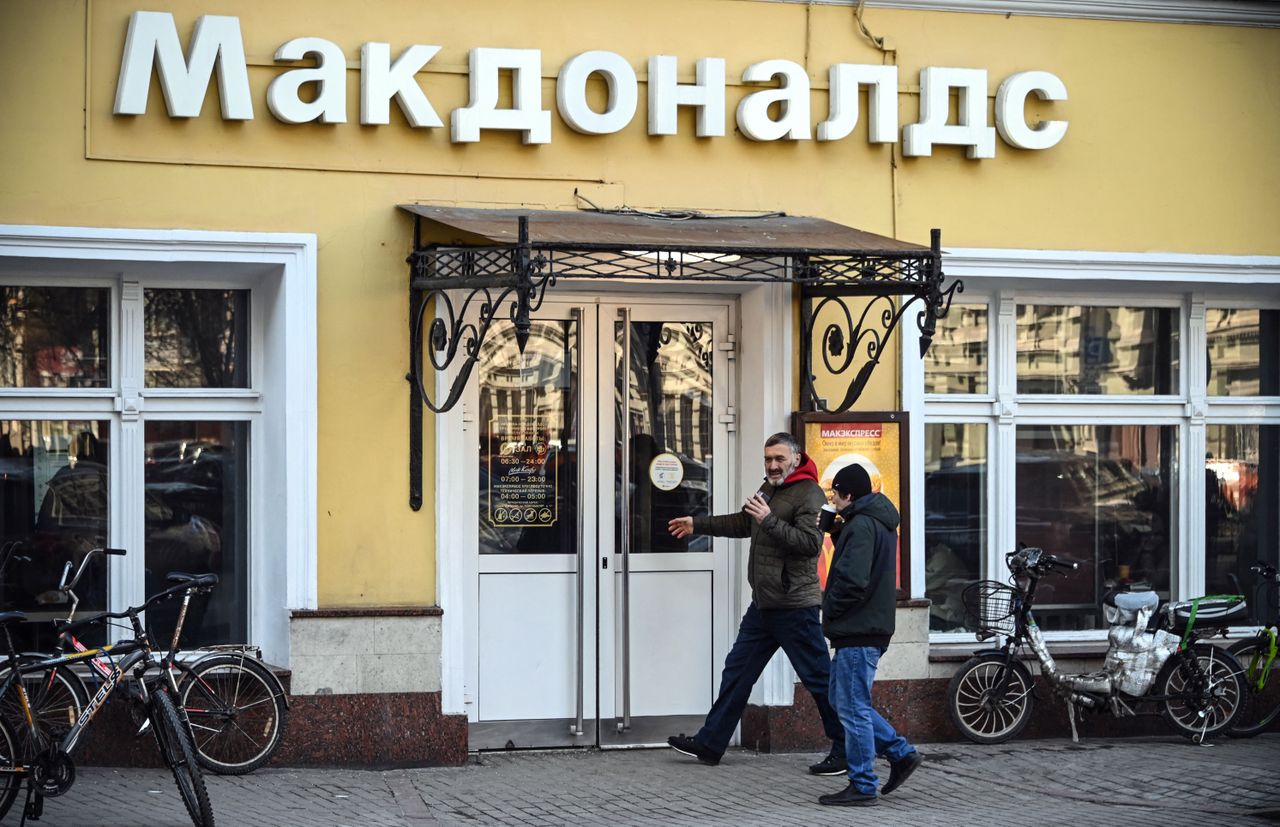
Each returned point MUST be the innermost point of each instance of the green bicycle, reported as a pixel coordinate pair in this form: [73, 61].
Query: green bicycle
[1258, 656]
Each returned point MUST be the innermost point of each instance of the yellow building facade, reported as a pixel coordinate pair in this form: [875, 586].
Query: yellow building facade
[213, 195]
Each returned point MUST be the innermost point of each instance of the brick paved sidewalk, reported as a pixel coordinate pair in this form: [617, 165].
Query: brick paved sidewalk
[1155, 781]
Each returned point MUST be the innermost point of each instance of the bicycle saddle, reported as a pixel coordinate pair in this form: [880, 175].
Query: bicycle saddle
[192, 579]
[12, 617]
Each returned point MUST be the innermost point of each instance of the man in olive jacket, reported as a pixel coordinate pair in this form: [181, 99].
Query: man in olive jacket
[858, 617]
[782, 521]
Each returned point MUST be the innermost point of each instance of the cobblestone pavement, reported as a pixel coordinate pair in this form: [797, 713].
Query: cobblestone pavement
[1156, 781]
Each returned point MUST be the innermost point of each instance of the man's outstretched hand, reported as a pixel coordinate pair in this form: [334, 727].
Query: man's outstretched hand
[680, 527]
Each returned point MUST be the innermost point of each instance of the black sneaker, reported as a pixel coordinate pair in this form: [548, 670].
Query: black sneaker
[849, 797]
[900, 771]
[690, 746]
[831, 765]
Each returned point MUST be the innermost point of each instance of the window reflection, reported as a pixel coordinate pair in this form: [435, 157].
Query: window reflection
[196, 518]
[529, 440]
[955, 518]
[54, 337]
[1241, 506]
[53, 503]
[1100, 495]
[1243, 352]
[668, 409]
[196, 338]
[957, 358]
[1097, 350]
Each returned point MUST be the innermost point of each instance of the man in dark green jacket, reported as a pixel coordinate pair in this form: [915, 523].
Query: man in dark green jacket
[782, 521]
[858, 618]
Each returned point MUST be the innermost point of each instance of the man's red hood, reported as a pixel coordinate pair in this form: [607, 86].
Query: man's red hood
[806, 471]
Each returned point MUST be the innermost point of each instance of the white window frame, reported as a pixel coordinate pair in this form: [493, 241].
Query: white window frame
[280, 269]
[1005, 278]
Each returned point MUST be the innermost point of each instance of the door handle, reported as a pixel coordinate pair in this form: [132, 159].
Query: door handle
[577, 729]
[625, 483]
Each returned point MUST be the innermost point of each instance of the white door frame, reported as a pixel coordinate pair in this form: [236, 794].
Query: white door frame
[764, 361]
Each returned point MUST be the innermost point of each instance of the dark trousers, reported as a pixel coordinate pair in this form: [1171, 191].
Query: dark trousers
[799, 633]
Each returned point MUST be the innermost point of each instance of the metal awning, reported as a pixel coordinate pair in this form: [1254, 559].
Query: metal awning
[498, 264]
[776, 233]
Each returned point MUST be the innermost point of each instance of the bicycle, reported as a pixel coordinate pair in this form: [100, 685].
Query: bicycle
[34, 756]
[236, 706]
[1262, 668]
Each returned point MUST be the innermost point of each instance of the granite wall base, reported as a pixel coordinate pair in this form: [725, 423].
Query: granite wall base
[387, 729]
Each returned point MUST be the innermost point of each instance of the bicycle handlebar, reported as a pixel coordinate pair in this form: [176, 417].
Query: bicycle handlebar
[1264, 570]
[64, 586]
[183, 583]
[1036, 561]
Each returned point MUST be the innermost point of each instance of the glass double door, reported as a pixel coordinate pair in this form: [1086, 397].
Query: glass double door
[591, 624]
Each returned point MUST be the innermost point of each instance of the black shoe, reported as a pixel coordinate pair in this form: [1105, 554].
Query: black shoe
[849, 797]
[691, 747]
[900, 771]
[831, 765]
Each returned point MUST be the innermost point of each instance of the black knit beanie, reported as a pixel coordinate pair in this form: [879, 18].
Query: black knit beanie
[852, 481]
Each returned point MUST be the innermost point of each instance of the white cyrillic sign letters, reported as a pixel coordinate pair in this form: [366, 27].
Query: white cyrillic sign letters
[972, 131]
[792, 94]
[481, 112]
[216, 41]
[381, 80]
[666, 96]
[571, 93]
[780, 112]
[1011, 99]
[882, 102]
[329, 74]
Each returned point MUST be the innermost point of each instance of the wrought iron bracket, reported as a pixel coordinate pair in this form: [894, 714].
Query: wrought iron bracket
[845, 340]
[457, 293]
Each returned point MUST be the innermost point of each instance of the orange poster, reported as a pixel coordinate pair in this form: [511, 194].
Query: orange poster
[834, 442]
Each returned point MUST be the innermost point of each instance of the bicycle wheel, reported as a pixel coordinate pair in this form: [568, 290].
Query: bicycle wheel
[55, 696]
[1202, 694]
[237, 713]
[11, 777]
[1262, 685]
[989, 700]
[174, 739]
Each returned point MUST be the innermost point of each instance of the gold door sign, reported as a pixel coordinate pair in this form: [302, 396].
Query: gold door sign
[522, 473]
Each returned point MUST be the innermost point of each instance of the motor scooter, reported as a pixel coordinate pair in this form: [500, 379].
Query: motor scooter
[1157, 661]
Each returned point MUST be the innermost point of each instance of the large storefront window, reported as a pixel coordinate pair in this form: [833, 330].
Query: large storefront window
[955, 518]
[53, 508]
[1243, 351]
[957, 359]
[1099, 495]
[1072, 349]
[54, 337]
[197, 338]
[197, 522]
[1096, 441]
[91, 460]
[1241, 505]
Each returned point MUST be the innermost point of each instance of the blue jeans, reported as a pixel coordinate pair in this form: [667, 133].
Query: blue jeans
[866, 733]
[799, 633]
